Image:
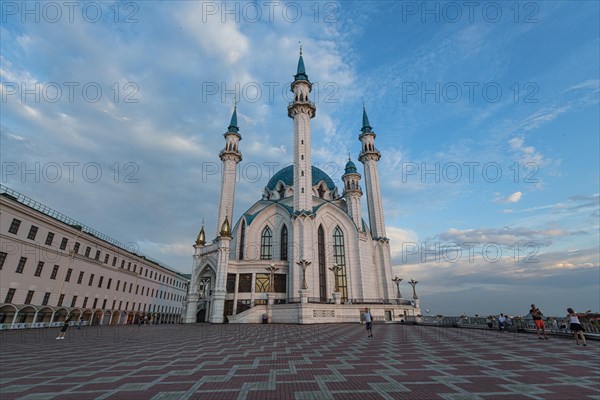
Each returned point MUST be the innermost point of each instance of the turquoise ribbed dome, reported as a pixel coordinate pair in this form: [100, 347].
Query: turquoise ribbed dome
[350, 167]
[286, 175]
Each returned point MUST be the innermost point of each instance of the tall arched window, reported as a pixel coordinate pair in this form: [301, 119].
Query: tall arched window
[322, 269]
[266, 247]
[242, 238]
[283, 247]
[339, 258]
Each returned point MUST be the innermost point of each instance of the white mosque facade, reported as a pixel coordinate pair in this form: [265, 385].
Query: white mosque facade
[303, 253]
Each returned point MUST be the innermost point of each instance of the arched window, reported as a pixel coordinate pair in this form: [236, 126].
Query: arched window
[321, 191]
[242, 238]
[266, 248]
[322, 270]
[283, 247]
[339, 258]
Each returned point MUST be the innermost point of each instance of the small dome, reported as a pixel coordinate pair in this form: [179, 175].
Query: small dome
[286, 175]
[350, 167]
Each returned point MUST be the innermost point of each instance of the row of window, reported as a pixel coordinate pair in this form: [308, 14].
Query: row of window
[266, 243]
[29, 299]
[262, 283]
[161, 294]
[33, 230]
[266, 253]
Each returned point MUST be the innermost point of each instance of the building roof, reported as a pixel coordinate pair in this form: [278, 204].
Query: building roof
[286, 175]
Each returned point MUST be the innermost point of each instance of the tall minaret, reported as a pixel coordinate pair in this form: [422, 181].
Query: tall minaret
[230, 156]
[353, 193]
[370, 156]
[302, 110]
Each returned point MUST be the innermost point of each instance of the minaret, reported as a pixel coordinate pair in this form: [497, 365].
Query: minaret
[353, 193]
[230, 156]
[382, 264]
[370, 156]
[302, 110]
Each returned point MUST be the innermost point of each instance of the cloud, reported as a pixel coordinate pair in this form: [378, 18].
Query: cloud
[525, 154]
[511, 198]
[593, 84]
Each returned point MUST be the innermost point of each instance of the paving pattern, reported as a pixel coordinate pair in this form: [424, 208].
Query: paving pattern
[294, 362]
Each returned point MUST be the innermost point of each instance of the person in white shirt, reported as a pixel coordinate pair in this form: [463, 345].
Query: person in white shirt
[501, 321]
[575, 326]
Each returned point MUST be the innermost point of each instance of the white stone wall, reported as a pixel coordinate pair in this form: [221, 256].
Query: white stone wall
[170, 288]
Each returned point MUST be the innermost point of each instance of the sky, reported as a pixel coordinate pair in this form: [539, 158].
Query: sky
[486, 115]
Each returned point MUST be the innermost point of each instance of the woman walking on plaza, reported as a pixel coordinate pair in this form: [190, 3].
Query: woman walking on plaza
[575, 326]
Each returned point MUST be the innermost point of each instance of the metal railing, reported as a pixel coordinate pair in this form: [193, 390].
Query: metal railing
[553, 325]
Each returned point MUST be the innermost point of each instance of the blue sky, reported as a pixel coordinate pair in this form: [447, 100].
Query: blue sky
[133, 99]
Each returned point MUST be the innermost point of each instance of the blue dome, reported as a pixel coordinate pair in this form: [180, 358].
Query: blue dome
[286, 175]
[350, 167]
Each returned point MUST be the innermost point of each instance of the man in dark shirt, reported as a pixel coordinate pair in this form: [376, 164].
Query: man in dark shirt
[537, 315]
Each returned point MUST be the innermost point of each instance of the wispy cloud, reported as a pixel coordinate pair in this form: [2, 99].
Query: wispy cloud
[511, 198]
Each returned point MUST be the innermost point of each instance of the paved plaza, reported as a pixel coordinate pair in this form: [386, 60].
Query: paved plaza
[294, 362]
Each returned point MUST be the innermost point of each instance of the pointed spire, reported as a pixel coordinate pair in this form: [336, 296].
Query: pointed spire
[301, 71]
[233, 123]
[225, 228]
[201, 239]
[366, 127]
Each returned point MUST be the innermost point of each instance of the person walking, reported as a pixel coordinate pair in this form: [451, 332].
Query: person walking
[537, 316]
[508, 323]
[575, 326]
[63, 330]
[369, 322]
[501, 321]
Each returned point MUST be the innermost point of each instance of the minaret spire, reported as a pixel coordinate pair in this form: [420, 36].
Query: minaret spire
[301, 70]
[366, 126]
[233, 123]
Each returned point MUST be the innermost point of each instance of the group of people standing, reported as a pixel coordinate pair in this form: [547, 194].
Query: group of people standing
[505, 323]
[572, 321]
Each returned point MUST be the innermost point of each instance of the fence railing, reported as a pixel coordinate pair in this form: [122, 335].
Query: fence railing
[554, 325]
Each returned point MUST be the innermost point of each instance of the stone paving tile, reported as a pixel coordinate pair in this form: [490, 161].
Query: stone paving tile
[293, 362]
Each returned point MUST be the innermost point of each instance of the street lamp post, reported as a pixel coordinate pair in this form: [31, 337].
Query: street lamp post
[304, 264]
[336, 270]
[271, 270]
[397, 281]
[413, 283]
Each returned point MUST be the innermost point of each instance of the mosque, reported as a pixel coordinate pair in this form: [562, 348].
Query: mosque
[303, 253]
